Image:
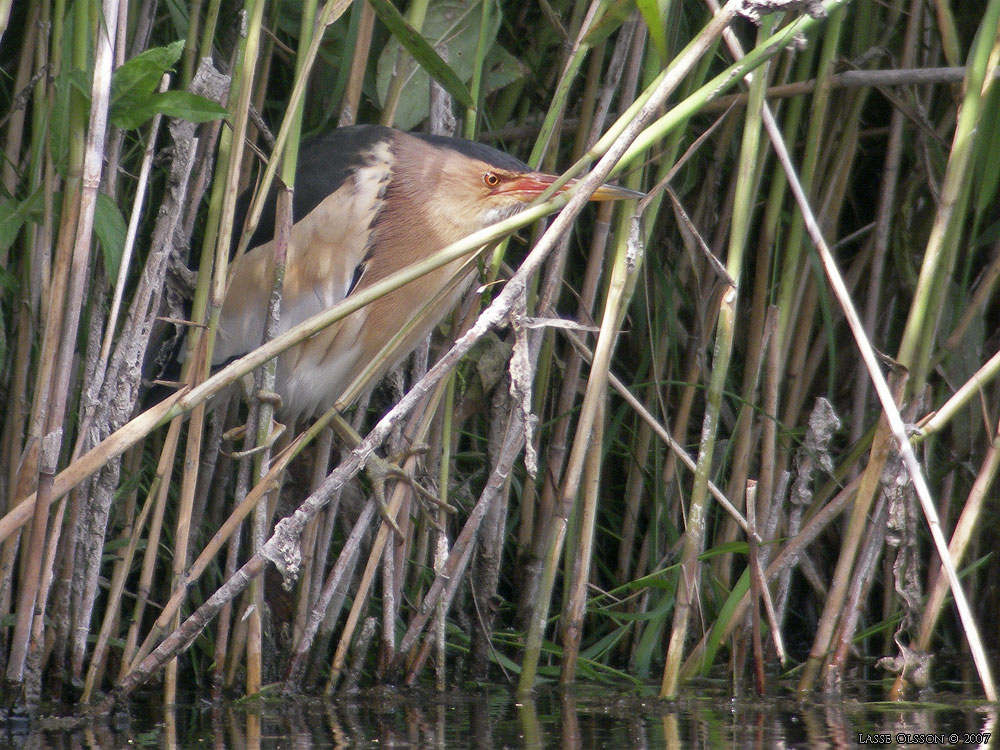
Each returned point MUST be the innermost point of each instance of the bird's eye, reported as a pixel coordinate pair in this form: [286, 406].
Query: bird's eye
[491, 179]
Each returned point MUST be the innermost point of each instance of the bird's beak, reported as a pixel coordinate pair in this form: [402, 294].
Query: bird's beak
[529, 186]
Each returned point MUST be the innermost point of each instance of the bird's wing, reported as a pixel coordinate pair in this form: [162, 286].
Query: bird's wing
[328, 246]
[325, 164]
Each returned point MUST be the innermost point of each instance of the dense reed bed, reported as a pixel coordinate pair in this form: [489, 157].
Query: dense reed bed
[746, 425]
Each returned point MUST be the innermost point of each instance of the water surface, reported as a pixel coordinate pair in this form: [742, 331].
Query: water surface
[492, 717]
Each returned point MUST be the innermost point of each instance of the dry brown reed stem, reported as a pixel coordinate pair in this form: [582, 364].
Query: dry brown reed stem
[882, 79]
[315, 550]
[446, 582]
[74, 259]
[971, 388]
[864, 576]
[984, 291]
[157, 497]
[960, 539]
[790, 554]
[359, 64]
[182, 532]
[770, 494]
[757, 586]
[363, 590]
[131, 531]
[576, 599]
[224, 628]
[489, 548]
[345, 562]
[759, 501]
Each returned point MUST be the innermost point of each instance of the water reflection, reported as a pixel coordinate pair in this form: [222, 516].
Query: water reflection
[586, 717]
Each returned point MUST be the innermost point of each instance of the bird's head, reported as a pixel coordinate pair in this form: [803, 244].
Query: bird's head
[470, 186]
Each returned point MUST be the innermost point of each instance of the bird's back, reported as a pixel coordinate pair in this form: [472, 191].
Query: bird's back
[343, 238]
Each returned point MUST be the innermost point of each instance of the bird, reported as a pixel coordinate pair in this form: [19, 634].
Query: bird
[369, 200]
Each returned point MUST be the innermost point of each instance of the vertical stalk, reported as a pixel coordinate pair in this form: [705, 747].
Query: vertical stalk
[415, 15]
[80, 199]
[791, 270]
[576, 601]
[694, 537]
[266, 379]
[627, 251]
[242, 84]
[921, 322]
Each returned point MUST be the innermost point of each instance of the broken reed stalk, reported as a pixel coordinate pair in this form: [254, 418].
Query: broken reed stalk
[960, 539]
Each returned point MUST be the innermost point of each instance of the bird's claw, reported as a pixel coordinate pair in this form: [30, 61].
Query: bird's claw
[414, 450]
[234, 434]
[378, 470]
[271, 397]
[240, 431]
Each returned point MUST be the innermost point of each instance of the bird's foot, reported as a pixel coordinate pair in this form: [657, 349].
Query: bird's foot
[414, 450]
[240, 431]
[379, 470]
[270, 397]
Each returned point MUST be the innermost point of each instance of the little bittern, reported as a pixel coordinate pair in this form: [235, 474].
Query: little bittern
[369, 200]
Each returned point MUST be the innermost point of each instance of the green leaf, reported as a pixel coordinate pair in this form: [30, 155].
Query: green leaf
[987, 162]
[727, 548]
[501, 69]
[109, 226]
[134, 98]
[714, 639]
[182, 104]
[179, 15]
[615, 13]
[454, 24]
[13, 214]
[139, 77]
[654, 13]
[79, 80]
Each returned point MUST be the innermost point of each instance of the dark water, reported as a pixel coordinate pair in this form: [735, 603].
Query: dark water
[585, 717]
